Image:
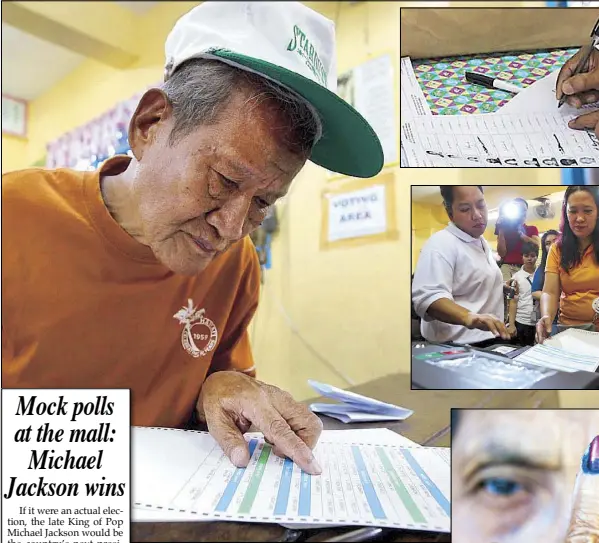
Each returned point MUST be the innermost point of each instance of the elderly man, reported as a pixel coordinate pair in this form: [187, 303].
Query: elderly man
[141, 275]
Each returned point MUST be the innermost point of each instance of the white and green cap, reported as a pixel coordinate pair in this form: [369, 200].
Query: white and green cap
[294, 46]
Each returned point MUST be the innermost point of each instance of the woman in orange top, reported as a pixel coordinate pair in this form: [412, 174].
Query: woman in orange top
[572, 272]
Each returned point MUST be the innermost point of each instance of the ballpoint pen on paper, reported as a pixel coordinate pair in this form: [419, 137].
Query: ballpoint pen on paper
[585, 59]
[491, 82]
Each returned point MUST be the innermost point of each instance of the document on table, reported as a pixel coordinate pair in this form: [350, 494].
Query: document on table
[381, 436]
[498, 140]
[571, 350]
[540, 97]
[363, 483]
[413, 102]
[576, 341]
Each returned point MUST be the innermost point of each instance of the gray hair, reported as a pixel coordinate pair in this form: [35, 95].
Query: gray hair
[200, 89]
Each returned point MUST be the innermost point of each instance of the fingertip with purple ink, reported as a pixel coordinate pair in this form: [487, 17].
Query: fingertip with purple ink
[590, 460]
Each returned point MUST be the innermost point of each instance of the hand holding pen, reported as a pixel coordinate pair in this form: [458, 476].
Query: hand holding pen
[578, 83]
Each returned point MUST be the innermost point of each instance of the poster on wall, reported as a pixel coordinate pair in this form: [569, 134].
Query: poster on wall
[362, 211]
[375, 99]
[358, 213]
[370, 88]
[14, 116]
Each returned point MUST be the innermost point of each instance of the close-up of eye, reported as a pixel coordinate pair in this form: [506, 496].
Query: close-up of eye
[504, 491]
[227, 182]
[501, 487]
[262, 204]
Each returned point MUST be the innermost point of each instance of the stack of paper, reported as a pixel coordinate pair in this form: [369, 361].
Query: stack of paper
[184, 475]
[571, 350]
[355, 407]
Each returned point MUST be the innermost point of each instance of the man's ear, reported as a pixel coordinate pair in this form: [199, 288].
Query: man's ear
[152, 113]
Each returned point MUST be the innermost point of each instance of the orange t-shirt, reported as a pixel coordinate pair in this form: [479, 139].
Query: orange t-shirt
[84, 305]
[580, 287]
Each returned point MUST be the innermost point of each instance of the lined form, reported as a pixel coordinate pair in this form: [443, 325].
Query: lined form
[361, 484]
[570, 350]
[534, 140]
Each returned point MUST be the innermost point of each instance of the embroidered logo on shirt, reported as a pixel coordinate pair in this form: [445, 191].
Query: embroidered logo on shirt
[199, 334]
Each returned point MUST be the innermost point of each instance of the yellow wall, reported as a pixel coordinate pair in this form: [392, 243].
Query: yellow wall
[346, 303]
[14, 153]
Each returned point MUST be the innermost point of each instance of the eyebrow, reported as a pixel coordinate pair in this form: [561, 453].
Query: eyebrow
[468, 203]
[246, 170]
[491, 456]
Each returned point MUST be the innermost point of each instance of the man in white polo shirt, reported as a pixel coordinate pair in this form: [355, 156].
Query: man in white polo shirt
[458, 287]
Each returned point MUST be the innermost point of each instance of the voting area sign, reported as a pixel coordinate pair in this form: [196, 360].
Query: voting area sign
[360, 211]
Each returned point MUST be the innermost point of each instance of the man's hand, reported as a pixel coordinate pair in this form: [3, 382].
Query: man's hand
[581, 89]
[489, 323]
[590, 121]
[512, 330]
[230, 402]
[543, 328]
[511, 283]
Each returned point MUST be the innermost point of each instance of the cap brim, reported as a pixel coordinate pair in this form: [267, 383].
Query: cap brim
[349, 145]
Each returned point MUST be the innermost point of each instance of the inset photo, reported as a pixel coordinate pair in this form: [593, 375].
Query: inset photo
[500, 87]
[505, 287]
[520, 476]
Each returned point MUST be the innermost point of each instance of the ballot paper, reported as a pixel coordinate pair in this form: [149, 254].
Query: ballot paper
[540, 97]
[355, 407]
[531, 139]
[380, 436]
[413, 102]
[362, 483]
[571, 350]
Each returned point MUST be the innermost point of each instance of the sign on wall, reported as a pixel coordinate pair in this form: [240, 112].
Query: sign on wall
[361, 211]
[14, 116]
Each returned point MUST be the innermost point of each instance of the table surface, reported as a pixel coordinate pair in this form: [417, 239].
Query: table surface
[429, 426]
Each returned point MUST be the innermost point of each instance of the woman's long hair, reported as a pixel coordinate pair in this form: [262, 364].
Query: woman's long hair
[567, 242]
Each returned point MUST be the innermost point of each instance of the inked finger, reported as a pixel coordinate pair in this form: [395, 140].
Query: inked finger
[584, 523]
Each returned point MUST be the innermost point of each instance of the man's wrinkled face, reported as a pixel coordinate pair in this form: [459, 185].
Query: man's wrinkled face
[513, 473]
[207, 190]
